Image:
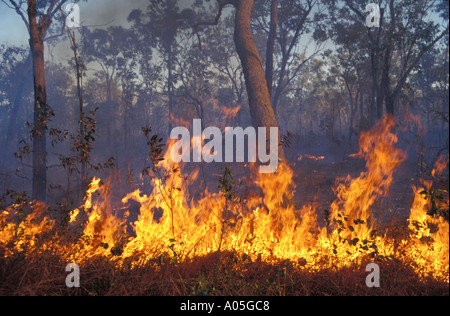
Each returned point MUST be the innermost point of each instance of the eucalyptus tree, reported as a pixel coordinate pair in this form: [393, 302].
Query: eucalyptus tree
[407, 31]
[261, 110]
[158, 27]
[295, 35]
[38, 16]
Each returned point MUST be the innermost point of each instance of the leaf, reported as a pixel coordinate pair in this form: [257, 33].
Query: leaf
[354, 241]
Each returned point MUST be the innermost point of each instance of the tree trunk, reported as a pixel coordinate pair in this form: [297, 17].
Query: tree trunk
[79, 70]
[279, 88]
[361, 109]
[170, 85]
[261, 109]
[41, 111]
[271, 45]
[109, 106]
[390, 101]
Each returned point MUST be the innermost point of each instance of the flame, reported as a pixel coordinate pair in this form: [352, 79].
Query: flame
[352, 210]
[104, 230]
[229, 113]
[265, 224]
[440, 166]
[316, 158]
[428, 245]
[21, 225]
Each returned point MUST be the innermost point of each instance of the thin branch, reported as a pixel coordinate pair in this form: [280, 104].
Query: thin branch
[17, 7]
[50, 11]
[222, 4]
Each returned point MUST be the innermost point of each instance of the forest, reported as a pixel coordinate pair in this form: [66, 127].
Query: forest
[96, 98]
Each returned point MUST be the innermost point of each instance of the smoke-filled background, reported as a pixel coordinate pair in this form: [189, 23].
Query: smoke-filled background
[145, 66]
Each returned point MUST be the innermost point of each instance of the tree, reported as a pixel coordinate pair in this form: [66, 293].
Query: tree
[271, 44]
[261, 110]
[407, 32]
[38, 18]
[159, 26]
[224, 60]
[290, 23]
[104, 47]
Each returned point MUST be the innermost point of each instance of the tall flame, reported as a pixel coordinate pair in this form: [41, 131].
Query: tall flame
[428, 245]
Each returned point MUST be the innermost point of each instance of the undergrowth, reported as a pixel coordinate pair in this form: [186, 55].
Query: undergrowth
[217, 274]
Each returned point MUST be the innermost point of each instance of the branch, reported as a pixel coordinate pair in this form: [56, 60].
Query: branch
[50, 11]
[417, 60]
[16, 7]
[222, 4]
[61, 33]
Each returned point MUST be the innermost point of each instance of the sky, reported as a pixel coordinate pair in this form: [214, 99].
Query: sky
[93, 12]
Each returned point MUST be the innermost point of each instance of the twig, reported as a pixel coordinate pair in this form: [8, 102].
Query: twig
[222, 4]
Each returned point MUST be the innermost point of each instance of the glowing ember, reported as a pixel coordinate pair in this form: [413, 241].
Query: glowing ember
[307, 156]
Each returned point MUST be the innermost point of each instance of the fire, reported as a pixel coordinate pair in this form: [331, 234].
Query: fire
[427, 247]
[352, 210]
[265, 225]
[21, 225]
[229, 113]
[317, 158]
[440, 166]
[104, 230]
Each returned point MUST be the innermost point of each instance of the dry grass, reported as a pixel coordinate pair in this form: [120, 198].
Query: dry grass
[218, 274]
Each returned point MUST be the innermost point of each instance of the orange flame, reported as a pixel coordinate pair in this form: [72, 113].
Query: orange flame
[265, 225]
